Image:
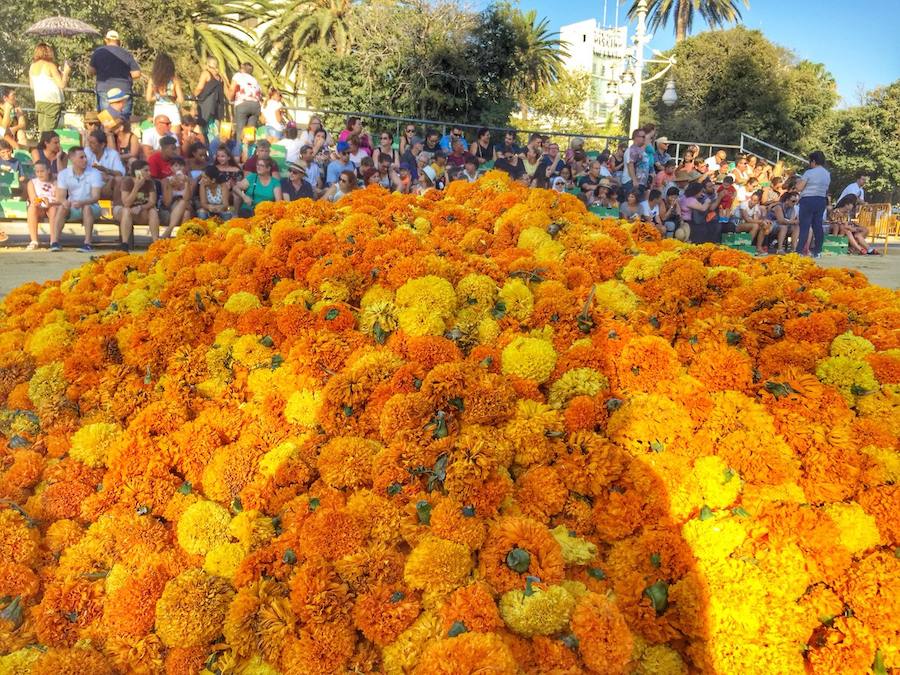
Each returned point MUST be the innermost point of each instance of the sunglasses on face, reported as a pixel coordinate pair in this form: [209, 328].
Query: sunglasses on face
[166, 123]
[293, 171]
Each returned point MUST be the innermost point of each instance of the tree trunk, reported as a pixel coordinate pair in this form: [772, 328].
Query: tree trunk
[681, 20]
[523, 108]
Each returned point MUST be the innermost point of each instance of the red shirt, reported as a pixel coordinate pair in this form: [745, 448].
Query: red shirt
[729, 194]
[159, 166]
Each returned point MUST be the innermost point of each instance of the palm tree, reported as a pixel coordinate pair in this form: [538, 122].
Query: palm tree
[540, 53]
[300, 24]
[716, 13]
[224, 29]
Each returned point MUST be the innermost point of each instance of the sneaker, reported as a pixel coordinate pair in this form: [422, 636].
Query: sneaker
[86, 248]
[55, 247]
[815, 255]
[32, 246]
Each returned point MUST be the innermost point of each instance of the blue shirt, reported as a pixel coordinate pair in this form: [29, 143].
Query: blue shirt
[114, 66]
[446, 143]
[333, 172]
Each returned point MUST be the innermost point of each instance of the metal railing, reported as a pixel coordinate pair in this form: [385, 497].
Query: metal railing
[778, 151]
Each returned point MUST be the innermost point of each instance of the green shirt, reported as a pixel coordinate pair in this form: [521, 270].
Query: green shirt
[261, 193]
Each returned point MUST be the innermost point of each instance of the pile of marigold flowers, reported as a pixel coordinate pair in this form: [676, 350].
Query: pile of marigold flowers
[479, 431]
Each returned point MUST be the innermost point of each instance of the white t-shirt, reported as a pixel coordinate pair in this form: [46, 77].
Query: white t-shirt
[647, 211]
[246, 88]
[110, 160]
[712, 163]
[78, 188]
[291, 148]
[151, 136]
[853, 189]
[270, 112]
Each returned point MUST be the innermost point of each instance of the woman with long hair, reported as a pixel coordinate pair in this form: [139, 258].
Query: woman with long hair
[125, 141]
[164, 90]
[275, 115]
[50, 151]
[308, 137]
[48, 83]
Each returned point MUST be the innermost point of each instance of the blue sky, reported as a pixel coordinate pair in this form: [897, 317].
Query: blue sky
[859, 41]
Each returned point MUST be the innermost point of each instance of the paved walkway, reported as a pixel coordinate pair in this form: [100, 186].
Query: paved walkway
[18, 266]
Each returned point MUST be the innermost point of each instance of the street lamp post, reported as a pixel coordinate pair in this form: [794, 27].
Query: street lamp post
[639, 36]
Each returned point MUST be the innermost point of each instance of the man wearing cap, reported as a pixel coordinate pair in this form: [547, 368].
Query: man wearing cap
[662, 154]
[295, 186]
[340, 163]
[115, 68]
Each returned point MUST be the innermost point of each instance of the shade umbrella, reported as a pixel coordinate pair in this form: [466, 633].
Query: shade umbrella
[61, 26]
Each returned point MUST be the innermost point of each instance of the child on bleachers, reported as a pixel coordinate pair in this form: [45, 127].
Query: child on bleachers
[41, 191]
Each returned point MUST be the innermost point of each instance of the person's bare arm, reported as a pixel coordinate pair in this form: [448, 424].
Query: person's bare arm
[204, 78]
[179, 92]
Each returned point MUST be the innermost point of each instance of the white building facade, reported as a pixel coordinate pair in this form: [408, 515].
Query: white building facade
[600, 52]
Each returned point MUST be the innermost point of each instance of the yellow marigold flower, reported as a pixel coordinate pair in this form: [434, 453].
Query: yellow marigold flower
[402, 655]
[575, 550]
[241, 302]
[117, 577]
[477, 291]
[202, 526]
[576, 382]
[660, 660]
[642, 267]
[224, 559]
[529, 358]
[429, 292]
[888, 461]
[277, 456]
[616, 297]
[851, 346]
[332, 292]
[533, 237]
[849, 376]
[47, 387]
[20, 661]
[299, 296]
[717, 485]
[302, 408]
[91, 443]
[534, 611]
[257, 666]
[191, 611]
[437, 565]
[858, 530]
[251, 528]
[421, 225]
[517, 298]
[380, 313]
[50, 341]
[575, 588]
[376, 293]
[416, 322]
[527, 431]
[488, 330]
[250, 352]
[713, 537]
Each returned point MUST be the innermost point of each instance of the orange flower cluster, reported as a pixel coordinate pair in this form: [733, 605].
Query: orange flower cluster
[477, 431]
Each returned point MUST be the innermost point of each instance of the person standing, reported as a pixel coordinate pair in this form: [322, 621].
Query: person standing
[114, 67]
[246, 94]
[637, 164]
[164, 90]
[856, 188]
[48, 83]
[813, 187]
[210, 95]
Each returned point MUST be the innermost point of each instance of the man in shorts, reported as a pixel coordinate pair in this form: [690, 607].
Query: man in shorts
[77, 193]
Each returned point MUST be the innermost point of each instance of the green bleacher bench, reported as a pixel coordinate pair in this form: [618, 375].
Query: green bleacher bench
[68, 138]
[574, 191]
[9, 179]
[592, 154]
[736, 239]
[13, 209]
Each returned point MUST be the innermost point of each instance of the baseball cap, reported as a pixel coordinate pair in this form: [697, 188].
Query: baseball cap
[112, 35]
[343, 146]
[115, 94]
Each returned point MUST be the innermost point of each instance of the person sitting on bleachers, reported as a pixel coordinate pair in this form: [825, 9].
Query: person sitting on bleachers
[162, 127]
[41, 192]
[137, 203]
[77, 192]
[50, 151]
[177, 191]
[12, 119]
[106, 160]
[11, 165]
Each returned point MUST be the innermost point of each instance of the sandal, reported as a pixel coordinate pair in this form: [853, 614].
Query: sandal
[872, 251]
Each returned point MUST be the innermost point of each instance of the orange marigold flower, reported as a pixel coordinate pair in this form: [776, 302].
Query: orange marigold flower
[603, 636]
[320, 648]
[474, 607]
[467, 654]
[516, 548]
[384, 612]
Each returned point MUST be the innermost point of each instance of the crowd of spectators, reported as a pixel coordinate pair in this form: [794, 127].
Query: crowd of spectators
[195, 161]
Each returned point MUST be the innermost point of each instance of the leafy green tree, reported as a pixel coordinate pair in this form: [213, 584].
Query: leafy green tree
[539, 54]
[716, 13]
[736, 81]
[865, 139]
[301, 24]
[224, 29]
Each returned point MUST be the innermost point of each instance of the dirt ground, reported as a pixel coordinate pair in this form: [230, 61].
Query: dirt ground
[18, 266]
